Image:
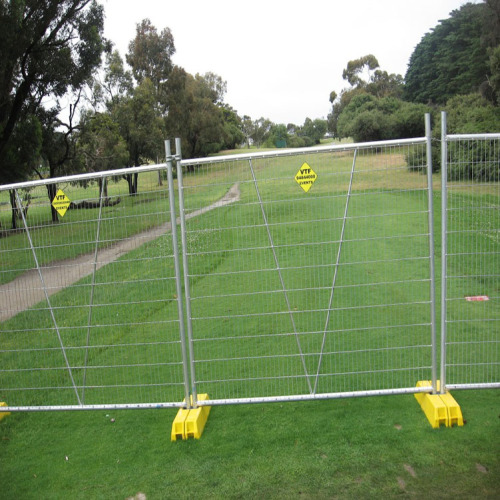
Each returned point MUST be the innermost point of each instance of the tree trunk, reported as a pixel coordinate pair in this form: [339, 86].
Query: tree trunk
[51, 192]
[105, 192]
[13, 204]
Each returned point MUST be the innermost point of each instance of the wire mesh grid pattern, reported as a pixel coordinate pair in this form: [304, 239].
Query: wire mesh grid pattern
[472, 261]
[88, 301]
[307, 274]
[295, 293]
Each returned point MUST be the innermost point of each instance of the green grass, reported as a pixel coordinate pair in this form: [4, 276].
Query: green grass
[359, 448]
[362, 448]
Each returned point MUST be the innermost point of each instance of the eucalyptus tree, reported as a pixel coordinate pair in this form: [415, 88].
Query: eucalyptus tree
[46, 49]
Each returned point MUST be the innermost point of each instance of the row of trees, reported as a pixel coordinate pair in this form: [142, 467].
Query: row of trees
[455, 67]
[120, 110]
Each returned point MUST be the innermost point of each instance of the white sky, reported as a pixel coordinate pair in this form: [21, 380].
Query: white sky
[281, 59]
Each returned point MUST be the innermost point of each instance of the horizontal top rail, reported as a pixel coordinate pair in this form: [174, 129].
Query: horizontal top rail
[215, 159]
[84, 177]
[298, 151]
[477, 137]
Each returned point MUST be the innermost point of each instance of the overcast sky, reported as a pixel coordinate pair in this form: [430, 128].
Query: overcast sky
[281, 59]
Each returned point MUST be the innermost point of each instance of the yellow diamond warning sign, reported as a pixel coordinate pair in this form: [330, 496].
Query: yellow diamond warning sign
[305, 177]
[61, 202]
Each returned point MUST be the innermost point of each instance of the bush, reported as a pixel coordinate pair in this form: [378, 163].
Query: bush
[295, 141]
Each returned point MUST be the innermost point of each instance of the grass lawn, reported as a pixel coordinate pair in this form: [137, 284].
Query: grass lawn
[250, 339]
[358, 448]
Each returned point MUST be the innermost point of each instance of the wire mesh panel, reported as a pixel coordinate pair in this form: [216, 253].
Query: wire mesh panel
[88, 301]
[311, 275]
[472, 282]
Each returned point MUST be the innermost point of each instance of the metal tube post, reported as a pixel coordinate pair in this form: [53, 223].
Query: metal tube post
[444, 228]
[187, 291]
[178, 285]
[428, 135]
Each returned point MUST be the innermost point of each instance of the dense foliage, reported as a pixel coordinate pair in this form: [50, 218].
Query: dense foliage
[367, 118]
[47, 48]
[450, 59]
[455, 67]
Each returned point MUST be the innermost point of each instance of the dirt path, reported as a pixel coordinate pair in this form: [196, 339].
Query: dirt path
[26, 290]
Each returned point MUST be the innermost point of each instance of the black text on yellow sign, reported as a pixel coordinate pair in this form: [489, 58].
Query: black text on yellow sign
[305, 177]
[61, 202]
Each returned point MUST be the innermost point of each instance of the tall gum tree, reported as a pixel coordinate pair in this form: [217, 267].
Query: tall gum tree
[46, 48]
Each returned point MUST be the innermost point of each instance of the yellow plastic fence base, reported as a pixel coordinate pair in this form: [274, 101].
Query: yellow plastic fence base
[179, 425]
[439, 408]
[3, 414]
[190, 423]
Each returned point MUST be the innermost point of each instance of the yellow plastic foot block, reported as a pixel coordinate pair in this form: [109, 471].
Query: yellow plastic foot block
[179, 425]
[190, 423]
[3, 414]
[454, 412]
[433, 407]
[197, 418]
[439, 408]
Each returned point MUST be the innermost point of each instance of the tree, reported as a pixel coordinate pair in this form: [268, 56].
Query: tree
[21, 155]
[315, 130]
[58, 147]
[450, 59]
[233, 128]
[355, 67]
[472, 114]
[100, 145]
[494, 80]
[368, 118]
[377, 83]
[212, 86]
[247, 129]
[150, 56]
[141, 126]
[116, 84]
[194, 115]
[278, 136]
[383, 84]
[261, 131]
[46, 48]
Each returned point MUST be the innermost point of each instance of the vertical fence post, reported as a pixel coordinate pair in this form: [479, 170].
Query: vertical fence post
[428, 135]
[444, 228]
[178, 285]
[187, 291]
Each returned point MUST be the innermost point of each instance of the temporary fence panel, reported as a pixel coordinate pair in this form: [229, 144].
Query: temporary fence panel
[89, 301]
[311, 275]
[471, 260]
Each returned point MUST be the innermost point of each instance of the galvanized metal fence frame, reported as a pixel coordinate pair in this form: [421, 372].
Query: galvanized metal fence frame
[313, 393]
[470, 337]
[167, 230]
[188, 362]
